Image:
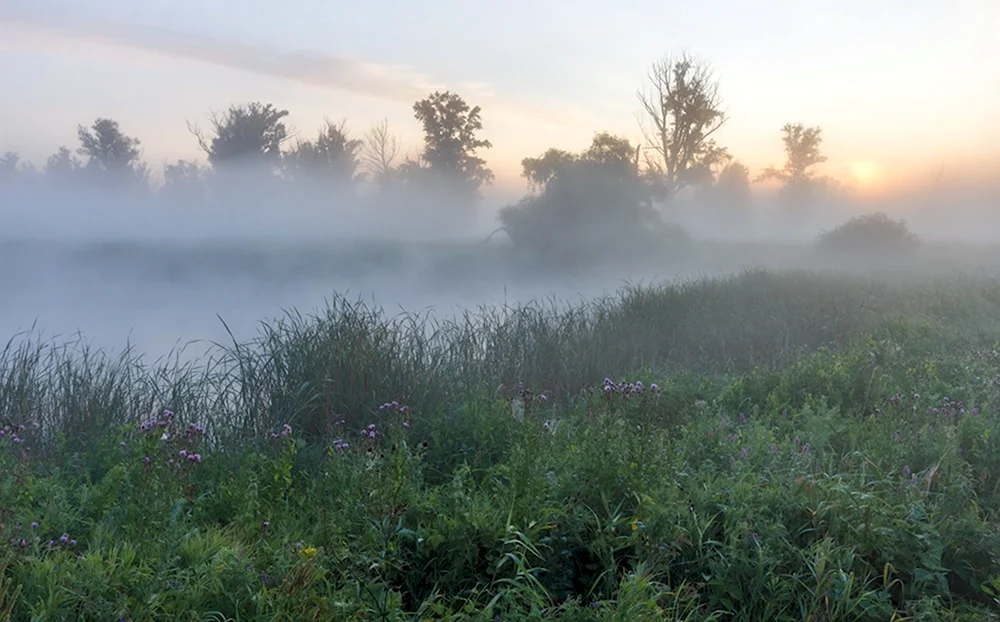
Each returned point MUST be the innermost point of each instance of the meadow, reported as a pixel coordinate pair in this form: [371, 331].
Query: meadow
[769, 445]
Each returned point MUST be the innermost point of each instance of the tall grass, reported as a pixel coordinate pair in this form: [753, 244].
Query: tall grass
[765, 446]
[341, 362]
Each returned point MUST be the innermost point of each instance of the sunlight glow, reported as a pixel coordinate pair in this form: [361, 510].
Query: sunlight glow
[866, 173]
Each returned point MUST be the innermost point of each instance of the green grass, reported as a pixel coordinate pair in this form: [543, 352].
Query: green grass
[816, 447]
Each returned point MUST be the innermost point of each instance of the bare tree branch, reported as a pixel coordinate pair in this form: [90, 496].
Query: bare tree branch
[682, 109]
[380, 149]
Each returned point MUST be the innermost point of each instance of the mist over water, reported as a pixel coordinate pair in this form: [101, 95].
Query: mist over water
[168, 274]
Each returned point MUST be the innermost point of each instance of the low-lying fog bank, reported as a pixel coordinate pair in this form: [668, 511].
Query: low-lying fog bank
[157, 295]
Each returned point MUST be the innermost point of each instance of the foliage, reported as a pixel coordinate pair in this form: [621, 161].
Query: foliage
[111, 154]
[248, 135]
[589, 204]
[450, 142]
[730, 190]
[682, 110]
[856, 482]
[61, 165]
[333, 157]
[868, 235]
[802, 152]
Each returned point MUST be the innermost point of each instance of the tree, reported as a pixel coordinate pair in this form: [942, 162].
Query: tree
[802, 153]
[450, 142]
[10, 165]
[732, 187]
[543, 169]
[583, 204]
[184, 180]
[682, 110]
[112, 152]
[332, 157]
[249, 134]
[61, 164]
[379, 151]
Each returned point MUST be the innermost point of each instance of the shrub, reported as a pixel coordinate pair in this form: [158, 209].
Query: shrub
[870, 234]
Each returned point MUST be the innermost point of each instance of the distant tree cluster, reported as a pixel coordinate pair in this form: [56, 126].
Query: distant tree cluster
[611, 193]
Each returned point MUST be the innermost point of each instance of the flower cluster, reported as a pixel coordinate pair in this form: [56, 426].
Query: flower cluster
[628, 388]
[949, 409]
[193, 432]
[370, 432]
[64, 541]
[161, 421]
[12, 432]
[190, 457]
[179, 448]
[286, 431]
[340, 445]
[397, 408]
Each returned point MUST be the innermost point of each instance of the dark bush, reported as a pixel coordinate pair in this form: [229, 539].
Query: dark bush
[869, 235]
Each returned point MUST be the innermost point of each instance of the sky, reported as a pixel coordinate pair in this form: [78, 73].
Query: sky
[901, 88]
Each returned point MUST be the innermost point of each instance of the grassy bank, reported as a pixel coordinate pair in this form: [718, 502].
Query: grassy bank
[767, 446]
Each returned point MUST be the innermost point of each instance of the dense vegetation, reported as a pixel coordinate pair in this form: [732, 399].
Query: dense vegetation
[768, 446]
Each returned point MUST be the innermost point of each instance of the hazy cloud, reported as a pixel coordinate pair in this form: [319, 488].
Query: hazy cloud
[392, 82]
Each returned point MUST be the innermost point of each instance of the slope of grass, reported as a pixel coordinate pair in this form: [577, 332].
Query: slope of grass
[768, 446]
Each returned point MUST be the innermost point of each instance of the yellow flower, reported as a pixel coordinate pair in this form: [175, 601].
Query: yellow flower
[309, 551]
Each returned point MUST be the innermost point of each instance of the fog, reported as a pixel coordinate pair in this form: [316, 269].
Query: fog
[158, 272]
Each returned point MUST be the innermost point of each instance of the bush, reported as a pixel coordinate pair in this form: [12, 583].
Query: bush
[870, 234]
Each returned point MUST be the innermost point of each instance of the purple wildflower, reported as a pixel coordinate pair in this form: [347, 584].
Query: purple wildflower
[34, 524]
[907, 471]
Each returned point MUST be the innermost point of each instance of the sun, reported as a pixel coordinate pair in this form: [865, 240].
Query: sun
[866, 173]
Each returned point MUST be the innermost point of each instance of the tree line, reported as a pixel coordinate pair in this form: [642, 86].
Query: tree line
[612, 189]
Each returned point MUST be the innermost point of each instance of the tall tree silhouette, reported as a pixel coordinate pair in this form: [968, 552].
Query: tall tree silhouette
[250, 135]
[61, 164]
[379, 151]
[682, 109]
[110, 151]
[802, 152]
[332, 157]
[450, 141]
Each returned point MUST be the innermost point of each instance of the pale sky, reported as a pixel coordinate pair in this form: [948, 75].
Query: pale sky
[900, 87]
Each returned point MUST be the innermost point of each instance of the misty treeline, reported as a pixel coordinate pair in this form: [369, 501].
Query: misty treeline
[614, 192]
